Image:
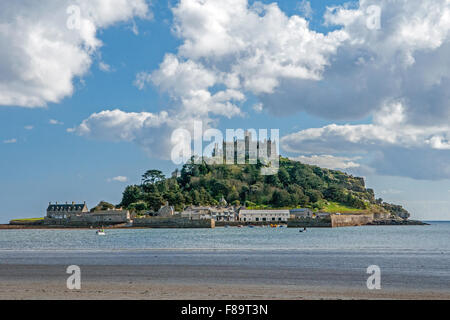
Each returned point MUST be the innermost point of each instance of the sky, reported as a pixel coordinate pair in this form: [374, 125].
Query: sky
[91, 91]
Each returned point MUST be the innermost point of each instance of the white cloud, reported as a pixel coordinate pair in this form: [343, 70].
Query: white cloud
[118, 179]
[305, 9]
[55, 122]
[406, 59]
[397, 75]
[188, 85]
[330, 162]
[10, 141]
[389, 129]
[395, 146]
[150, 131]
[44, 56]
[104, 67]
[29, 127]
[258, 44]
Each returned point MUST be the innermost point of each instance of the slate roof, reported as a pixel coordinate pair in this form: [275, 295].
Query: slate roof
[66, 207]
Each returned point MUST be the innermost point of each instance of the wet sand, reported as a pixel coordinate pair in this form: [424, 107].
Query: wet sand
[196, 282]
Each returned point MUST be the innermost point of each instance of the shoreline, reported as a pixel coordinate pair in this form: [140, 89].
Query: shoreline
[221, 225]
[194, 282]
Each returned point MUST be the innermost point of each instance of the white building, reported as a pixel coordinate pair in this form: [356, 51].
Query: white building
[264, 215]
[216, 213]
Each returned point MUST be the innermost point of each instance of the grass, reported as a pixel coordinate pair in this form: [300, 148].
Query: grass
[28, 220]
[334, 207]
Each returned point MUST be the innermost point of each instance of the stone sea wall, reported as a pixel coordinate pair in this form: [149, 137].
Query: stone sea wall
[351, 220]
[310, 223]
[160, 222]
[334, 221]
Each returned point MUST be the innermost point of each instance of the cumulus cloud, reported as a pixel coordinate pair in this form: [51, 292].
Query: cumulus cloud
[397, 75]
[229, 49]
[330, 162]
[42, 55]
[150, 131]
[395, 146]
[188, 85]
[406, 59]
[255, 45]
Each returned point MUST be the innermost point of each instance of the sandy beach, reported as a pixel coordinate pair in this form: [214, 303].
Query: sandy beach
[192, 282]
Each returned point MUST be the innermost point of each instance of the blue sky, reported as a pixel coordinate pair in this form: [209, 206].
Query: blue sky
[41, 160]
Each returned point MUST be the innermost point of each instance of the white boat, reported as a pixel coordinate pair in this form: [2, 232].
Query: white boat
[101, 233]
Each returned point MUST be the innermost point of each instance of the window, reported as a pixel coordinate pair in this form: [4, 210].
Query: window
[257, 219]
[279, 219]
[273, 219]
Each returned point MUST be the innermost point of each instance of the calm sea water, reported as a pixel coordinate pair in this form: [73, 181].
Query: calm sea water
[376, 239]
[414, 257]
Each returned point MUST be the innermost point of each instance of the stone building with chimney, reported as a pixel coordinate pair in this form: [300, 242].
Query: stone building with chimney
[76, 214]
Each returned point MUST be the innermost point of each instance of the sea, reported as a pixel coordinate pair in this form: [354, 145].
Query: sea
[415, 256]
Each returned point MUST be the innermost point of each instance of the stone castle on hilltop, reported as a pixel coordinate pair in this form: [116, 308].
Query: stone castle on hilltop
[247, 150]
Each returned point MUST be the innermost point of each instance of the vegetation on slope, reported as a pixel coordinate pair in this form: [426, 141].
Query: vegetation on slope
[295, 185]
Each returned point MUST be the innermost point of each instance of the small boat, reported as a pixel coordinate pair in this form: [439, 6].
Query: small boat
[101, 232]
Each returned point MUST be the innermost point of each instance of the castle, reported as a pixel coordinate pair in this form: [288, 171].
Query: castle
[245, 151]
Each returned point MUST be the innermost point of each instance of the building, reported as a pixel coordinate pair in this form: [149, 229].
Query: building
[197, 213]
[215, 213]
[247, 150]
[301, 213]
[322, 215]
[105, 217]
[166, 211]
[65, 211]
[224, 214]
[264, 215]
[79, 215]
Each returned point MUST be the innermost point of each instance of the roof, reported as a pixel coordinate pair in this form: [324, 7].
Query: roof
[300, 210]
[66, 207]
[264, 212]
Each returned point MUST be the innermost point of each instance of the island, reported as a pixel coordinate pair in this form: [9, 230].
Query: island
[209, 195]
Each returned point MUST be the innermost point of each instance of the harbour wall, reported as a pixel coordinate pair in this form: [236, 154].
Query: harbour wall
[351, 220]
[178, 222]
[334, 221]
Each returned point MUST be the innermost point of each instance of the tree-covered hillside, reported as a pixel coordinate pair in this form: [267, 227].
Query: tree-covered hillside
[295, 185]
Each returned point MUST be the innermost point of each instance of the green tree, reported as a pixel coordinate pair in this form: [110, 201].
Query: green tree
[103, 205]
[130, 195]
[152, 177]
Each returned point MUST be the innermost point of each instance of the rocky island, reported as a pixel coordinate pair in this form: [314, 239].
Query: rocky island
[298, 195]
